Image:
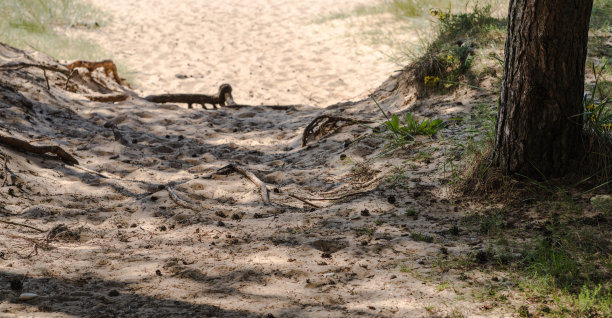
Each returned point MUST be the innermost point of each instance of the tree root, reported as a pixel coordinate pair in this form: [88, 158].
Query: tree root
[326, 124]
[180, 202]
[27, 147]
[265, 193]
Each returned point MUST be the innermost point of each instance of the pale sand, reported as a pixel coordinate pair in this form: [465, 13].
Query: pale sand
[133, 251]
[270, 51]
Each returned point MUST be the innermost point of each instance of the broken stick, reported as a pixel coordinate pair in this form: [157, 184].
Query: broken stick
[25, 146]
[263, 189]
[326, 124]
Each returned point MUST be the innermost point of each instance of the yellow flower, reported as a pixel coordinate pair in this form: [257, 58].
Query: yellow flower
[431, 80]
[607, 127]
[450, 58]
[434, 12]
[591, 107]
[594, 118]
[441, 16]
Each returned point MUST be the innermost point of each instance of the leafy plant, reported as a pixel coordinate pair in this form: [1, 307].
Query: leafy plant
[411, 126]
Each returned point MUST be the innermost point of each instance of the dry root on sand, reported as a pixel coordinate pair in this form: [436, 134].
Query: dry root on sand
[263, 189]
[326, 124]
[25, 146]
[222, 98]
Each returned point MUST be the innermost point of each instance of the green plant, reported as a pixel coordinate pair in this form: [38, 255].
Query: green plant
[411, 127]
[420, 237]
[34, 24]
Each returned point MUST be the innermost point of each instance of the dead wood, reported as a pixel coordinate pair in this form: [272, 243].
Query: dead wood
[25, 146]
[23, 225]
[340, 197]
[107, 98]
[180, 202]
[4, 170]
[263, 189]
[327, 124]
[274, 107]
[116, 133]
[18, 66]
[305, 201]
[55, 231]
[223, 97]
[107, 65]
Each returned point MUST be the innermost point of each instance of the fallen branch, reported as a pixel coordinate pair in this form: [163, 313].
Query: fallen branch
[340, 197]
[326, 124]
[27, 147]
[305, 201]
[265, 193]
[107, 98]
[223, 97]
[180, 202]
[108, 66]
[274, 107]
[4, 170]
[18, 66]
[24, 225]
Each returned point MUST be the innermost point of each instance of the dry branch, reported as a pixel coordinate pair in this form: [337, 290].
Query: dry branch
[180, 202]
[18, 66]
[108, 66]
[5, 170]
[107, 98]
[305, 201]
[223, 97]
[326, 124]
[25, 146]
[265, 193]
[24, 225]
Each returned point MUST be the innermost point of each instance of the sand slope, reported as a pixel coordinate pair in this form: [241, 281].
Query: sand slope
[270, 51]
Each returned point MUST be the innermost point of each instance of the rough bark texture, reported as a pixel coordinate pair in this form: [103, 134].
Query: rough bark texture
[539, 126]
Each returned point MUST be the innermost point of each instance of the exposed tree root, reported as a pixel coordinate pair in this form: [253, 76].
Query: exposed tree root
[23, 225]
[223, 97]
[180, 202]
[25, 146]
[325, 125]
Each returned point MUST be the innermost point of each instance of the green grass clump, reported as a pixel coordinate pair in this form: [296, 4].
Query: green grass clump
[420, 237]
[35, 25]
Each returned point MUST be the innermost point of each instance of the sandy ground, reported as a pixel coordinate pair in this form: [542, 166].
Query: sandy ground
[270, 51]
[153, 228]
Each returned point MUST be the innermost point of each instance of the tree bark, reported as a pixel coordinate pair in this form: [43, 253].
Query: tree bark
[539, 124]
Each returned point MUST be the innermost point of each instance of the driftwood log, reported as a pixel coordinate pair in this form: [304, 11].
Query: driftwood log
[223, 97]
[25, 146]
[326, 124]
[107, 98]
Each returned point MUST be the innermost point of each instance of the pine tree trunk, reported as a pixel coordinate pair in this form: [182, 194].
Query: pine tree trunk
[539, 124]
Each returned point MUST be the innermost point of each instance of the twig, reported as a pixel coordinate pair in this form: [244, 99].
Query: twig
[265, 193]
[326, 124]
[34, 252]
[305, 201]
[55, 231]
[179, 202]
[69, 77]
[340, 197]
[46, 79]
[5, 171]
[18, 66]
[27, 147]
[24, 225]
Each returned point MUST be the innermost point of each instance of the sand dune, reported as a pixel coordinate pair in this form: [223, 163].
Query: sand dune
[271, 51]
